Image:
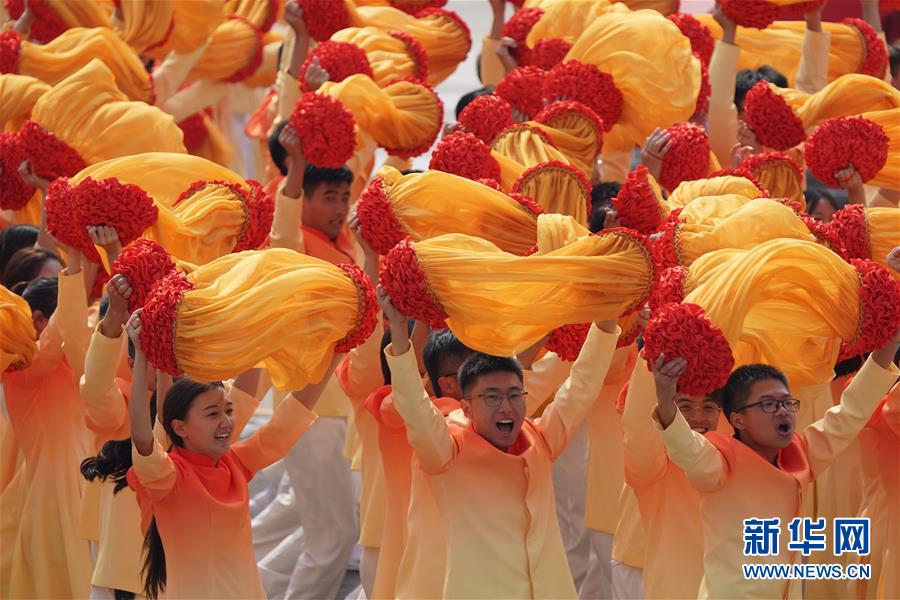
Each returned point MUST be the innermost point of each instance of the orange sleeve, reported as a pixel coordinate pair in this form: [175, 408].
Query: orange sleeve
[273, 440]
[104, 405]
[360, 373]
[701, 461]
[244, 406]
[722, 121]
[286, 231]
[71, 312]
[645, 453]
[155, 472]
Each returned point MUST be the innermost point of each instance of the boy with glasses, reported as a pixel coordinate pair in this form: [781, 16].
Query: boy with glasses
[764, 471]
[490, 469]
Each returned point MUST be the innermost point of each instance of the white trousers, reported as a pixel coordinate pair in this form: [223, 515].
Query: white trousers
[627, 582]
[598, 583]
[570, 486]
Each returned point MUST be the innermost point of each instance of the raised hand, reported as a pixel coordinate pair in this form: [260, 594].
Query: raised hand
[107, 238]
[316, 75]
[26, 172]
[655, 149]
[119, 291]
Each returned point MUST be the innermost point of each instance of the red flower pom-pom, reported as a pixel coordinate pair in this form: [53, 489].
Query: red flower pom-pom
[574, 80]
[566, 341]
[849, 225]
[143, 262]
[668, 288]
[792, 12]
[50, 156]
[416, 50]
[665, 246]
[378, 223]
[158, 320]
[14, 192]
[843, 141]
[521, 87]
[463, 154]
[825, 235]
[556, 166]
[194, 130]
[10, 42]
[46, 26]
[63, 211]
[253, 64]
[109, 202]
[260, 211]
[771, 118]
[684, 330]
[404, 280]
[879, 308]
[428, 137]
[367, 310]
[491, 183]
[637, 203]
[448, 15]
[517, 28]
[414, 6]
[757, 163]
[875, 59]
[758, 14]
[702, 42]
[556, 111]
[340, 59]
[702, 95]
[549, 53]
[324, 17]
[688, 155]
[528, 203]
[326, 129]
[485, 117]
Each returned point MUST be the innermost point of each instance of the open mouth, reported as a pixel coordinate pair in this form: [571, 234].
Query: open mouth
[223, 437]
[505, 425]
[700, 430]
[785, 428]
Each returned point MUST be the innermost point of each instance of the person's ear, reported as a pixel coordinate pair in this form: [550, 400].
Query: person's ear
[737, 420]
[179, 427]
[466, 408]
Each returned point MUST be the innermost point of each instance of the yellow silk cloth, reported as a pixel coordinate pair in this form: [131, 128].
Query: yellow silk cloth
[17, 335]
[144, 22]
[781, 179]
[566, 20]
[89, 113]
[781, 300]
[780, 45]
[714, 223]
[233, 47]
[194, 22]
[257, 12]
[267, 72]
[883, 227]
[75, 48]
[446, 43]
[388, 55]
[403, 115]
[19, 93]
[651, 64]
[81, 13]
[202, 227]
[501, 304]
[688, 191]
[30, 215]
[575, 135]
[666, 7]
[434, 203]
[889, 175]
[215, 146]
[276, 309]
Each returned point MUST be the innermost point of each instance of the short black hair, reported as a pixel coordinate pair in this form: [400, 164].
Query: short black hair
[747, 78]
[42, 294]
[895, 58]
[601, 203]
[315, 176]
[737, 388]
[13, 239]
[442, 347]
[411, 171]
[468, 97]
[24, 265]
[276, 150]
[482, 364]
[814, 196]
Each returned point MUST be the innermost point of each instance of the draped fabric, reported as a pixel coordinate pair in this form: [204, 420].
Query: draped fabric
[19, 93]
[145, 23]
[234, 53]
[389, 56]
[17, 335]
[713, 186]
[193, 22]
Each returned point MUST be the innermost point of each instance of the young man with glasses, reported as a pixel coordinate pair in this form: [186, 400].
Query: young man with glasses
[491, 470]
[764, 471]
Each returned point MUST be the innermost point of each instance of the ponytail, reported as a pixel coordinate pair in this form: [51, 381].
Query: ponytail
[154, 570]
[112, 462]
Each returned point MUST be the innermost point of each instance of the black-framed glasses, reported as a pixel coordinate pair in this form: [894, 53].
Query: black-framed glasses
[771, 406]
[493, 398]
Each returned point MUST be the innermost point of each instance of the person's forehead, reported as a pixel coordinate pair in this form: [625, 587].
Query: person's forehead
[499, 379]
[768, 387]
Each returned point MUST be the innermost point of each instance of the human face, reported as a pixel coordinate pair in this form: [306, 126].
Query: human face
[823, 211]
[327, 207]
[449, 381]
[765, 432]
[701, 413]
[208, 425]
[500, 424]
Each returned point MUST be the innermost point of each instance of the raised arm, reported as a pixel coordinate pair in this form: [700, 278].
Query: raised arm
[579, 392]
[173, 70]
[722, 121]
[243, 397]
[645, 452]
[286, 231]
[71, 312]
[426, 428]
[139, 412]
[812, 73]
[288, 83]
[492, 67]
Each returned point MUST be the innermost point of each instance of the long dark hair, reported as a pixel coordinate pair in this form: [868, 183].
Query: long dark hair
[176, 405]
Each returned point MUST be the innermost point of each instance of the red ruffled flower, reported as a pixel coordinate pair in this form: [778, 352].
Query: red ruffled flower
[791, 204]
[771, 118]
[109, 202]
[702, 42]
[378, 223]
[825, 235]
[549, 53]
[850, 227]
[879, 308]
[14, 192]
[416, 51]
[688, 155]
[49, 156]
[324, 17]
[10, 43]
[143, 262]
[452, 16]
[637, 203]
[555, 165]
[528, 203]
[414, 6]
[521, 87]
[704, 93]
[486, 116]
[340, 59]
[758, 14]
[46, 26]
[552, 113]
[194, 130]
[665, 246]
[517, 28]
[158, 319]
[255, 61]
[463, 154]
[668, 288]
[684, 330]
[514, 129]
[403, 278]
[575, 80]
[64, 217]
[792, 12]
[875, 58]
[367, 310]
[260, 213]
[746, 174]
[491, 183]
[326, 129]
[628, 336]
[567, 341]
[436, 128]
[842, 141]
